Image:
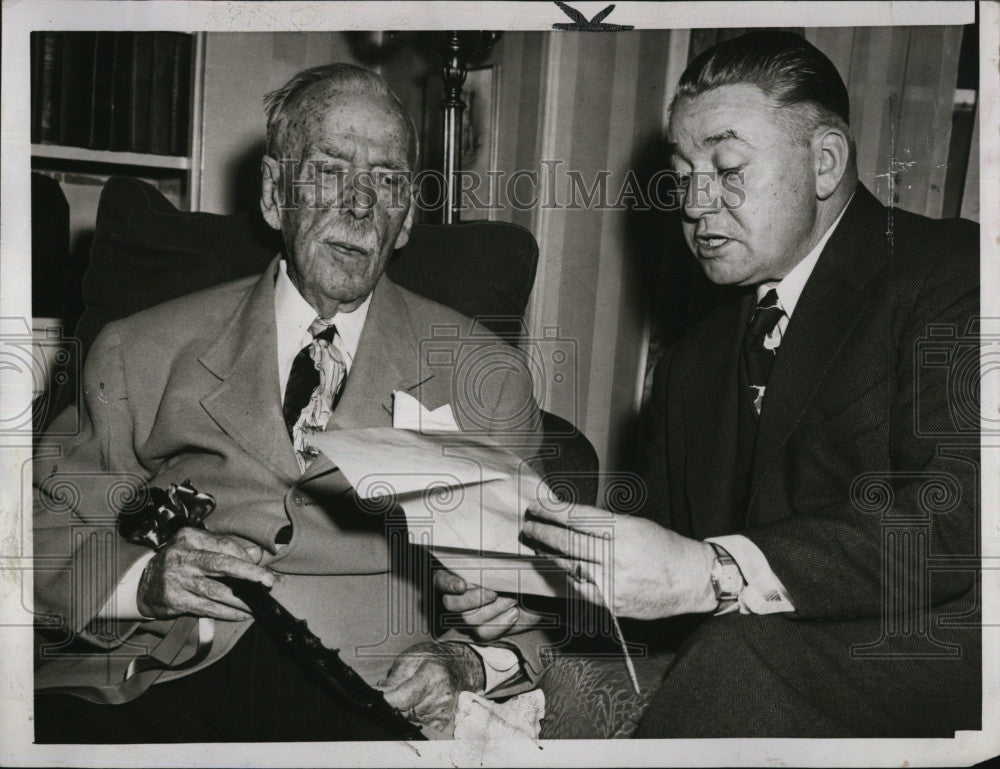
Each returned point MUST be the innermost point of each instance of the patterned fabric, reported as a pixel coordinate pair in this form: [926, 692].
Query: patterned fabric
[314, 387]
[591, 697]
[759, 352]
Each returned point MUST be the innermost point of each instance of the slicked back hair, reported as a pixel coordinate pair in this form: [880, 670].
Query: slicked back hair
[790, 70]
[290, 107]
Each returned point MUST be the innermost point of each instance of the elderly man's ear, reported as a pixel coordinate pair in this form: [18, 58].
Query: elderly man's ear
[270, 191]
[404, 233]
[831, 152]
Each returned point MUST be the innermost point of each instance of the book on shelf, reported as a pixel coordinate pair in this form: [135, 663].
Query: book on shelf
[45, 112]
[100, 104]
[159, 93]
[180, 88]
[121, 94]
[77, 82]
[142, 72]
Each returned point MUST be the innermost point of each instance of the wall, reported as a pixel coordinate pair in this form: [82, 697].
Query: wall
[240, 67]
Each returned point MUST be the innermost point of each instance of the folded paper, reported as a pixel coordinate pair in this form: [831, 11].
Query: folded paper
[463, 496]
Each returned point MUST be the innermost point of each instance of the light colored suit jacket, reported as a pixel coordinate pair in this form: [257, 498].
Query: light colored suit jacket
[189, 390]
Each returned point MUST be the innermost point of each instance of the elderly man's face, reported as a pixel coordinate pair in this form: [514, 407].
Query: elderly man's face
[751, 204]
[349, 206]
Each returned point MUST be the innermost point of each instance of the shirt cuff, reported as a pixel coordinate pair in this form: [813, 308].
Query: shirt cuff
[123, 603]
[500, 664]
[764, 593]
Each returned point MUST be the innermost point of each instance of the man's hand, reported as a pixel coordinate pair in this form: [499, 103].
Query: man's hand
[180, 578]
[488, 615]
[645, 570]
[424, 681]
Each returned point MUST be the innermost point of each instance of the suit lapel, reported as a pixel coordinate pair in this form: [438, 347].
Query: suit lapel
[386, 361]
[247, 402]
[711, 407]
[832, 302]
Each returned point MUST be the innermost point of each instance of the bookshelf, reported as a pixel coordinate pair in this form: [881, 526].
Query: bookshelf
[109, 157]
[118, 103]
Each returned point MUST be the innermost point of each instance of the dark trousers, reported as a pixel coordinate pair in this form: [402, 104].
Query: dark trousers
[256, 693]
[769, 676]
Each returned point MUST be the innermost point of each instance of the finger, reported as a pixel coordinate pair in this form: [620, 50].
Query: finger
[491, 611]
[436, 707]
[222, 565]
[216, 591]
[448, 582]
[498, 627]
[471, 599]
[201, 539]
[402, 699]
[403, 669]
[553, 510]
[203, 607]
[411, 691]
[550, 510]
[575, 544]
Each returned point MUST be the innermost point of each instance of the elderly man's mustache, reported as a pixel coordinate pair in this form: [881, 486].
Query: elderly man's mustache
[353, 234]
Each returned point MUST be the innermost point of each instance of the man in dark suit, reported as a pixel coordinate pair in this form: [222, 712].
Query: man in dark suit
[226, 387]
[813, 462]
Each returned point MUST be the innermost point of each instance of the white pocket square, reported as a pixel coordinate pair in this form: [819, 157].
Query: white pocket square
[409, 414]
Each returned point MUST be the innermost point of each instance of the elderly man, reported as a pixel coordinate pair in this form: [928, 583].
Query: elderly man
[226, 388]
[810, 460]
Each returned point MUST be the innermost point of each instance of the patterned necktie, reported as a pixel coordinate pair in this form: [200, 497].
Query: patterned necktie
[314, 386]
[758, 354]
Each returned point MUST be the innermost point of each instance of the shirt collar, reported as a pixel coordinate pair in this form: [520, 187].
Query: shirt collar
[790, 287]
[293, 315]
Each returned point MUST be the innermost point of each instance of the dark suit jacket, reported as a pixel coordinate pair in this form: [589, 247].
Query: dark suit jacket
[865, 453]
[189, 390]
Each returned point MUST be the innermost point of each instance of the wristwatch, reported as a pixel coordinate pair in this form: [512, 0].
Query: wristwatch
[727, 579]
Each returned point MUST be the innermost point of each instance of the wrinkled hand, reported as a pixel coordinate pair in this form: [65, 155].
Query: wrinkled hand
[488, 615]
[644, 570]
[424, 681]
[181, 578]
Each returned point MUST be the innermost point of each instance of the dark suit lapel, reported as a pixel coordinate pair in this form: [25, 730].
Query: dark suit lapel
[832, 302]
[711, 408]
[246, 403]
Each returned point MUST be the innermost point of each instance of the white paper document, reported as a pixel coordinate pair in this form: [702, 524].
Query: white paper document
[464, 498]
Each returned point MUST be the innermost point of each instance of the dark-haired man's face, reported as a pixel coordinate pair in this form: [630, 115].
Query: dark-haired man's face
[347, 207]
[750, 208]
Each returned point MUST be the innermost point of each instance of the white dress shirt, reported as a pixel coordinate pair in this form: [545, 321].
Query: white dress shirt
[764, 593]
[292, 317]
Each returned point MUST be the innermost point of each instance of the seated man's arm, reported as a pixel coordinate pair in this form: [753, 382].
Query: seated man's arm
[80, 474]
[87, 573]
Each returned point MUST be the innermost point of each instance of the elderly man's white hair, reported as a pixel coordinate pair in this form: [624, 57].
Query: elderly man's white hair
[289, 107]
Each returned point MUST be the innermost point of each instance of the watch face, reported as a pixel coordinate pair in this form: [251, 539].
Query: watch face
[727, 580]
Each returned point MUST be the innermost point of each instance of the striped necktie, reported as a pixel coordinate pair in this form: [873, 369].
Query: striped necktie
[314, 386]
[757, 355]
